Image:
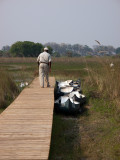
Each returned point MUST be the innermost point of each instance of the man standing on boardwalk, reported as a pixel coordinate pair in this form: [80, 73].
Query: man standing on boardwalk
[44, 61]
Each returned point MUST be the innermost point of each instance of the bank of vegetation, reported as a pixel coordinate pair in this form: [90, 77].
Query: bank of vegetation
[8, 89]
[101, 127]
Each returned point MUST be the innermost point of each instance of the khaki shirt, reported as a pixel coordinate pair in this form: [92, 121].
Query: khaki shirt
[44, 57]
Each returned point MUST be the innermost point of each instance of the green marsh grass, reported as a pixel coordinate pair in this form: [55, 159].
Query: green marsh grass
[64, 142]
[101, 129]
[8, 89]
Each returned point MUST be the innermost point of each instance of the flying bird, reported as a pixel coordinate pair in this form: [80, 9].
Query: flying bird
[98, 42]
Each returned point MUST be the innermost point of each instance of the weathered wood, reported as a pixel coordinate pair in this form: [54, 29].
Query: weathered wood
[25, 126]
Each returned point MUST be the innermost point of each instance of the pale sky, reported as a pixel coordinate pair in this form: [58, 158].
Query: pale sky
[60, 21]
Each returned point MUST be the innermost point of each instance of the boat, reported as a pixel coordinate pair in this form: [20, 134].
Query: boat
[66, 90]
[68, 97]
[67, 104]
[78, 97]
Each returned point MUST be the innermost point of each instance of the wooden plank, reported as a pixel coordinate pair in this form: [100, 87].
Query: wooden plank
[25, 126]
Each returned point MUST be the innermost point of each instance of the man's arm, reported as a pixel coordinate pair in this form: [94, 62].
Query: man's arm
[38, 61]
[38, 64]
[49, 66]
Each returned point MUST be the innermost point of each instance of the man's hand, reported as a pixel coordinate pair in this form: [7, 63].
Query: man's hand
[38, 64]
[49, 66]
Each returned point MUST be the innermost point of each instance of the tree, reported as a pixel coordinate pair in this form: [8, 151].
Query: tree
[118, 50]
[104, 50]
[5, 48]
[69, 54]
[56, 54]
[1, 53]
[16, 49]
[26, 49]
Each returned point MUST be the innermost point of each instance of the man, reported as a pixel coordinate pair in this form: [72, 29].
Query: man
[44, 62]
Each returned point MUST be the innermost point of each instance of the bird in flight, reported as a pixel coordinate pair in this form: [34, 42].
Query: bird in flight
[98, 42]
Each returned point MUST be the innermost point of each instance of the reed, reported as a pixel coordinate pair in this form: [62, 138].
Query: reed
[8, 89]
[105, 79]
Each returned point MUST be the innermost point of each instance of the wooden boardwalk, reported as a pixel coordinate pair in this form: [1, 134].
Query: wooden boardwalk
[25, 126]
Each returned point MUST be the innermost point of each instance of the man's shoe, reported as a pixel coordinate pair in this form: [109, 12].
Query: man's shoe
[48, 85]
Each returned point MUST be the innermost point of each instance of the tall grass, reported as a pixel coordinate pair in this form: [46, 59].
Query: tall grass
[17, 60]
[8, 89]
[100, 130]
[105, 79]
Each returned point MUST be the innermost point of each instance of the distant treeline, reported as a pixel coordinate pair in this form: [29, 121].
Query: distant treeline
[31, 49]
[83, 50]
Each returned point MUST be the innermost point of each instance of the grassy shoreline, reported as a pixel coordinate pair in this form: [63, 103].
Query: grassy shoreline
[64, 140]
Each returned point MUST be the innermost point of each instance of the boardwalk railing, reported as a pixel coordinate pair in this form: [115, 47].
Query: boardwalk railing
[25, 126]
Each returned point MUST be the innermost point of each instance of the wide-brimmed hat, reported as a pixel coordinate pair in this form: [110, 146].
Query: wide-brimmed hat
[46, 49]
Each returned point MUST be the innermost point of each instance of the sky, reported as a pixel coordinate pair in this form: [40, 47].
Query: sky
[60, 21]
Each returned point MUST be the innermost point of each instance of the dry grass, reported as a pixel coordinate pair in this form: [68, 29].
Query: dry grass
[105, 79]
[100, 129]
[17, 60]
[8, 89]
